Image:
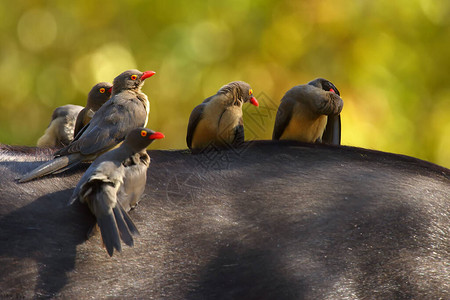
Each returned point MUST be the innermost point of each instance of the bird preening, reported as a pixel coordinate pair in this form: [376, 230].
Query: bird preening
[69, 119]
[110, 133]
[60, 131]
[310, 113]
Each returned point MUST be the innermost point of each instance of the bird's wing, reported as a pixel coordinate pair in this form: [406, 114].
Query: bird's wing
[239, 133]
[109, 126]
[283, 117]
[102, 194]
[332, 133]
[83, 183]
[79, 122]
[194, 118]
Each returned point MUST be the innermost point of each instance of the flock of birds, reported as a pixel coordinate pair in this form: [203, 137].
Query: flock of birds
[110, 132]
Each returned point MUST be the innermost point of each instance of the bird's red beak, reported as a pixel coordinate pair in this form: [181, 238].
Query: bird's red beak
[254, 101]
[147, 74]
[110, 90]
[156, 136]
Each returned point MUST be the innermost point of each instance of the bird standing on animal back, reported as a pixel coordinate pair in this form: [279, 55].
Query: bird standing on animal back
[218, 119]
[127, 109]
[310, 113]
[98, 95]
[69, 119]
[60, 131]
[113, 184]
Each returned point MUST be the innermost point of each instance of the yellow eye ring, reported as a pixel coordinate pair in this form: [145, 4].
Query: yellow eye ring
[250, 92]
[102, 90]
[133, 77]
[143, 133]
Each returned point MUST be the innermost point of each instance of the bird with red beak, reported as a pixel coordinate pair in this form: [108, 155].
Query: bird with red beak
[217, 121]
[126, 110]
[113, 184]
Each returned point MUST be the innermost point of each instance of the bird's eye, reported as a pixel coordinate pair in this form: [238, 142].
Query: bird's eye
[331, 90]
[133, 77]
[250, 92]
[143, 132]
[102, 90]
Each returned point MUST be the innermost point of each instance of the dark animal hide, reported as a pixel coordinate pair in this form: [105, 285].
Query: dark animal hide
[270, 220]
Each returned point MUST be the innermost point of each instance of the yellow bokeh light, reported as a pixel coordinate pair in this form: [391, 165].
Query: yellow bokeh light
[37, 29]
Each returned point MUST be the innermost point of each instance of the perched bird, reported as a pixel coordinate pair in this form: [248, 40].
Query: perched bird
[127, 109]
[113, 184]
[218, 119]
[99, 94]
[310, 113]
[59, 132]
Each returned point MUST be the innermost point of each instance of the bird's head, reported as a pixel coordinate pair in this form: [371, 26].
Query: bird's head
[241, 91]
[325, 85]
[130, 80]
[99, 94]
[249, 97]
[139, 138]
[333, 95]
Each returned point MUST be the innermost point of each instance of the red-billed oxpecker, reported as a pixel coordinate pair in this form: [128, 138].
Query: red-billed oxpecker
[218, 119]
[113, 184]
[310, 113]
[127, 109]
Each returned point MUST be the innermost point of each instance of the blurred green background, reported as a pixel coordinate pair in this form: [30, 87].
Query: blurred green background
[389, 59]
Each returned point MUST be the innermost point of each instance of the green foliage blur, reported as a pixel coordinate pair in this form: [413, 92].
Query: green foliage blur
[389, 59]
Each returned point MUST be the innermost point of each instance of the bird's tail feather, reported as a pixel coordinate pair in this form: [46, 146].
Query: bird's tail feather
[114, 224]
[110, 233]
[130, 224]
[124, 232]
[50, 167]
[68, 167]
[100, 203]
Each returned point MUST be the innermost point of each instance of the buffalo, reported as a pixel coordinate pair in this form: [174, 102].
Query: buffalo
[268, 220]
